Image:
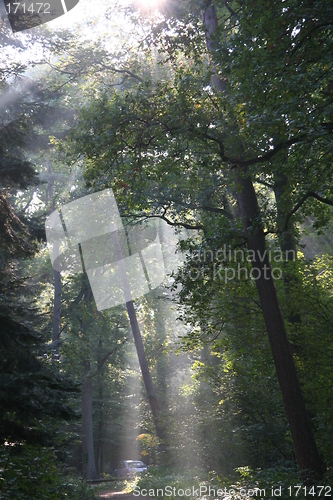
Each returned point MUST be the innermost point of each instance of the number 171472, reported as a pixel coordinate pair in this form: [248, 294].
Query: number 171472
[314, 491]
[25, 7]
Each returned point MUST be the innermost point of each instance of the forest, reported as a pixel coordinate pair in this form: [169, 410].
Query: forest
[166, 262]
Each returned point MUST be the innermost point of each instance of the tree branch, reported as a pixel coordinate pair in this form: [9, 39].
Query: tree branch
[123, 72]
[102, 362]
[217, 210]
[309, 194]
[232, 12]
[308, 34]
[252, 161]
[271, 153]
[181, 224]
[168, 221]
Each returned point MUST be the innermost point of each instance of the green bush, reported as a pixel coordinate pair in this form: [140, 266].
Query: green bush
[255, 482]
[32, 472]
[160, 477]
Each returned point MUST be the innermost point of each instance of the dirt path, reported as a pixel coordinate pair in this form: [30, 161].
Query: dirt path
[116, 495]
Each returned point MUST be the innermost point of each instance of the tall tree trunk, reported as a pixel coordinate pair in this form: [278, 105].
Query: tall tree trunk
[288, 245]
[56, 316]
[57, 281]
[301, 430]
[286, 235]
[307, 454]
[154, 406]
[88, 454]
[99, 450]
